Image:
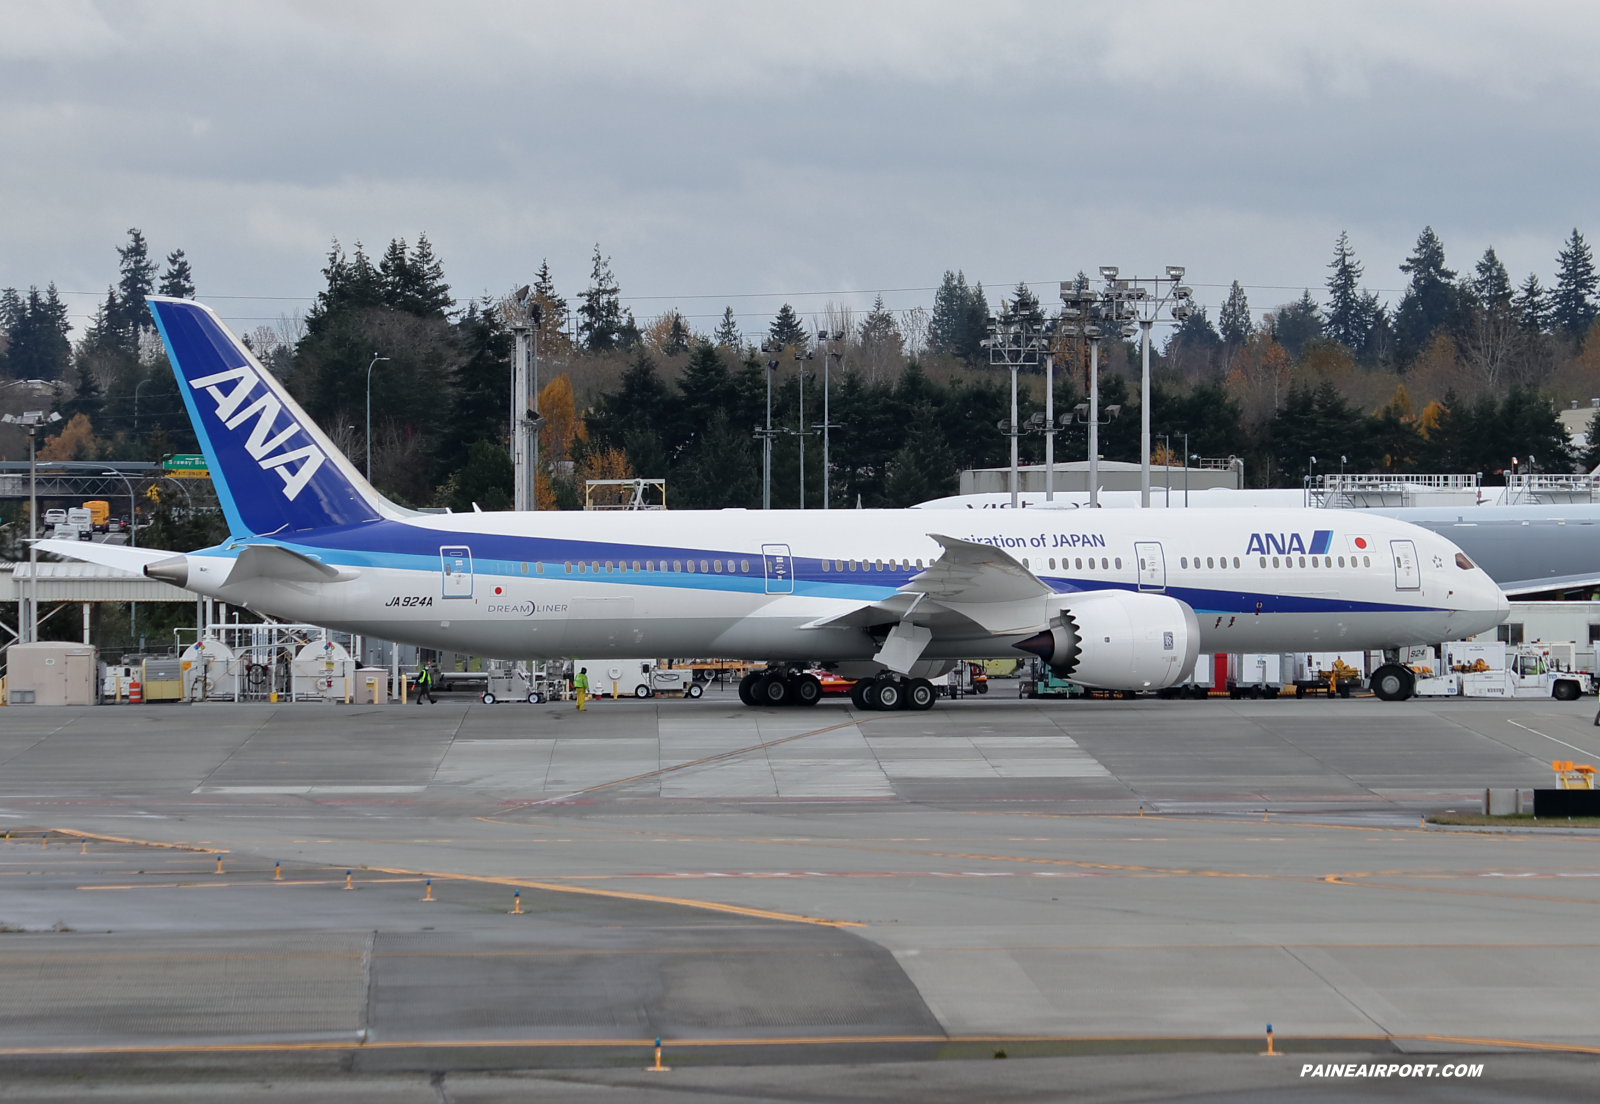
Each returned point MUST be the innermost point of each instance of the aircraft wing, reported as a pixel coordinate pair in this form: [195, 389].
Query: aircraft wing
[1516, 588]
[979, 583]
[131, 560]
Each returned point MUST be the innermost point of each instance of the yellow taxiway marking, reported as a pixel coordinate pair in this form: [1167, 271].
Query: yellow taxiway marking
[809, 1040]
[70, 834]
[685, 902]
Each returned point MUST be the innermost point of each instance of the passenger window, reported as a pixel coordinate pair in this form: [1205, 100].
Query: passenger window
[1079, 563]
[702, 565]
[1119, 563]
[1303, 561]
[880, 565]
[1274, 562]
[716, 565]
[1182, 562]
[744, 566]
[1024, 561]
[1341, 561]
[838, 565]
[608, 567]
[1052, 563]
[825, 565]
[636, 565]
[524, 567]
[650, 566]
[852, 565]
[1366, 561]
[582, 567]
[1209, 564]
[677, 565]
[569, 567]
[594, 566]
[919, 565]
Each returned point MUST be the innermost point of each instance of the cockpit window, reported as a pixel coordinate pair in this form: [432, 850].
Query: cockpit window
[1463, 563]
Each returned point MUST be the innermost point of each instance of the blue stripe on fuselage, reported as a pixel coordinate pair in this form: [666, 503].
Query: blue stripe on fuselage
[401, 546]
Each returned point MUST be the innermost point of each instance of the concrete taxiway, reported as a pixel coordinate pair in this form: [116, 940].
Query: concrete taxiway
[785, 888]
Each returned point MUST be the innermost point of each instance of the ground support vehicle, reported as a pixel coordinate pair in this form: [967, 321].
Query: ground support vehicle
[639, 678]
[1039, 680]
[1255, 675]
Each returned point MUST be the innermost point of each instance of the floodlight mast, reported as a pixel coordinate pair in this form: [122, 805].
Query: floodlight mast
[32, 421]
[1145, 299]
[1014, 341]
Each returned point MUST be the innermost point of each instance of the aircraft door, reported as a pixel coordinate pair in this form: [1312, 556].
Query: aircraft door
[1152, 565]
[779, 566]
[1407, 576]
[456, 563]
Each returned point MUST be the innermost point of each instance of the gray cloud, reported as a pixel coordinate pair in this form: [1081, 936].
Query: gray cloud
[715, 148]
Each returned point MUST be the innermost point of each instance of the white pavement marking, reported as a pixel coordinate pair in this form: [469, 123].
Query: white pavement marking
[513, 766]
[1552, 739]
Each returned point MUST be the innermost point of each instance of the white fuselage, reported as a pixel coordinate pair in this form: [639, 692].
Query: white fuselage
[746, 584]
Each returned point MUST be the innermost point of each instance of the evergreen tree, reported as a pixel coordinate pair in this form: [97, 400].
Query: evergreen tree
[600, 317]
[879, 327]
[178, 280]
[352, 283]
[1430, 301]
[727, 335]
[924, 467]
[638, 417]
[1346, 321]
[1532, 306]
[786, 328]
[1491, 283]
[1317, 423]
[1234, 320]
[1025, 308]
[36, 328]
[1589, 458]
[1296, 323]
[427, 294]
[1572, 306]
[10, 309]
[552, 307]
[86, 398]
[481, 396]
[677, 341]
[960, 319]
[1193, 337]
[126, 311]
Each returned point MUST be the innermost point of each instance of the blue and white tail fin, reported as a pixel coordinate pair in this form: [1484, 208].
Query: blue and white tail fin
[275, 472]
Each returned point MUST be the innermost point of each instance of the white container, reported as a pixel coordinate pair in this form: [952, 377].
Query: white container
[51, 672]
[1488, 684]
[372, 685]
[1445, 686]
[1466, 653]
[321, 672]
[210, 671]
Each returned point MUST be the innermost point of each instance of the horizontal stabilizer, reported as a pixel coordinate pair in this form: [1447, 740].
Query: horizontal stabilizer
[119, 556]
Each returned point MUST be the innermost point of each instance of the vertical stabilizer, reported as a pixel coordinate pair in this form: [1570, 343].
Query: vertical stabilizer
[275, 472]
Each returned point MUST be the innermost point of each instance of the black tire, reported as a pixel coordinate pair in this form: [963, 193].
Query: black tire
[889, 695]
[1392, 683]
[641, 691]
[806, 690]
[1564, 690]
[1344, 689]
[983, 687]
[695, 690]
[858, 694]
[920, 695]
[773, 691]
[747, 688]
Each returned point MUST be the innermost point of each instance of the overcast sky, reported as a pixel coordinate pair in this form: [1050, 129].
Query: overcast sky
[716, 150]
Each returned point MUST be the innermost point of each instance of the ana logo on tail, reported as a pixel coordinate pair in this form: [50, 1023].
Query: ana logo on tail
[264, 437]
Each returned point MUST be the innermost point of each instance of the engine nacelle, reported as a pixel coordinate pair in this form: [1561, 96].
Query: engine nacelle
[1117, 640]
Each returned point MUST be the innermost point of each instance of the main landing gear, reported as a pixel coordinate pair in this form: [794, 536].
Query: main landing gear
[777, 686]
[889, 692]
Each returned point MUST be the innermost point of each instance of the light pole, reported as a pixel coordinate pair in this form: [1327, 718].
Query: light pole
[133, 542]
[767, 433]
[1015, 342]
[1144, 304]
[1087, 314]
[370, 367]
[800, 359]
[136, 387]
[32, 421]
[830, 352]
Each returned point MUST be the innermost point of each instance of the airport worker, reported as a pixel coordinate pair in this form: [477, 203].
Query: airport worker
[580, 683]
[425, 685]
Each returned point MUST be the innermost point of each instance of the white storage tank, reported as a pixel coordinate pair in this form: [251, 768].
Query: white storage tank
[210, 671]
[51, 672]
[322, 672]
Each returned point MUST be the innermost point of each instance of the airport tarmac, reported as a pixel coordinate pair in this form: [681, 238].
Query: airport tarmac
[1121, 892]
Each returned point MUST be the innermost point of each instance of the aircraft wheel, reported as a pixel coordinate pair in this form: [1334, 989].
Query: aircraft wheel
[1392, 683]
[806, 690]
[920, 695]
[773, 691]
[486, 699]
[858, 694]
[695, 690]
[641, 691]
[890, 695]
[747, 688]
